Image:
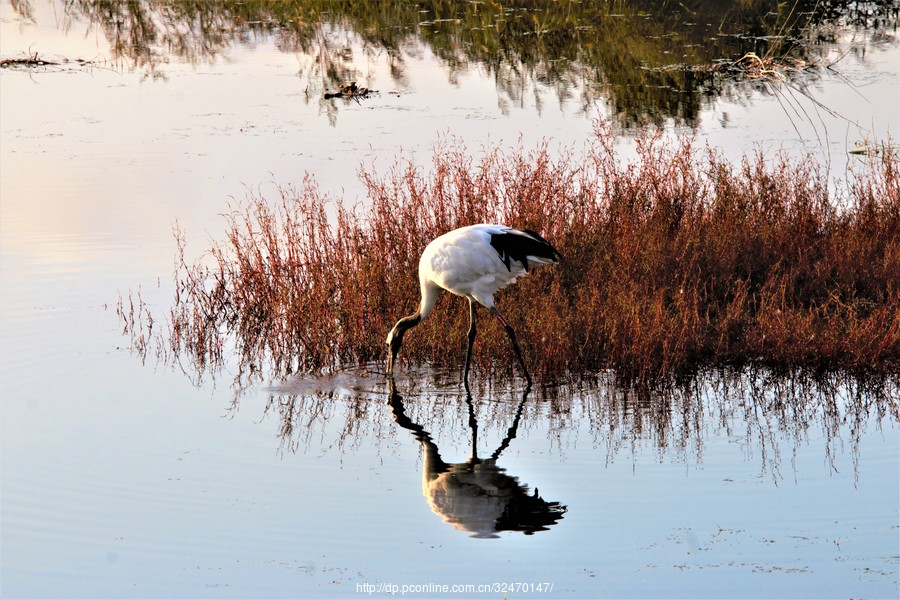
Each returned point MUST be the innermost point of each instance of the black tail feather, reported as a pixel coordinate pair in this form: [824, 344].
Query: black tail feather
[519, 244]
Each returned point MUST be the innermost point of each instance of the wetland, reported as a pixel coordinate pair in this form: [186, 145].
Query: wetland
[202, 255]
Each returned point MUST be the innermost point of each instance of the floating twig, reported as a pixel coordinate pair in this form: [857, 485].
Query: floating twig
[350, 90]
[30, 60]
[33, 60]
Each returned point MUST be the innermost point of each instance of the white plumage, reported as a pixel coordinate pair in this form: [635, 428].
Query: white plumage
[474, 262]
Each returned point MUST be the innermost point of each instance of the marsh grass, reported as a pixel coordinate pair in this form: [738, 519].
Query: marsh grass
[674, 261]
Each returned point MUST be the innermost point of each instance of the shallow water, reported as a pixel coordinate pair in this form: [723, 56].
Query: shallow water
[124, 479]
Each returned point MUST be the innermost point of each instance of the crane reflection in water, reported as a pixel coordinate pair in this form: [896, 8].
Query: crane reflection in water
[478, 496]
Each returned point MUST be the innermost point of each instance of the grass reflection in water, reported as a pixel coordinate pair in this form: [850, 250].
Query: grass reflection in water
[649, 61]
[769, 415]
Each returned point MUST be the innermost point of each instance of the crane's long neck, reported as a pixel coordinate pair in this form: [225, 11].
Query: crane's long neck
[394, 340]
[430, 293]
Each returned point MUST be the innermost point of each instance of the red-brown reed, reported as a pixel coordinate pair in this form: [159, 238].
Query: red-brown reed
[673, 261]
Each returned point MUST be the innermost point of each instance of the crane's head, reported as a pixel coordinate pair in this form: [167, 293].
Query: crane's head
[395, 338]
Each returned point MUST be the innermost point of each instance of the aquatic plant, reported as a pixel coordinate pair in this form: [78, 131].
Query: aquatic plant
[673, 261]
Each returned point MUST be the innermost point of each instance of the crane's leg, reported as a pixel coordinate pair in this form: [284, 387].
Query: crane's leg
[471, 342]
[515, 344]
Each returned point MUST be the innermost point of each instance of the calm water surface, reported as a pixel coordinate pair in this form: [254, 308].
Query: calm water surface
[126, 479]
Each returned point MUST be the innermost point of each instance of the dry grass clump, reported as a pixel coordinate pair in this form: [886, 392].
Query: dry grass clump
[672, 262]
[767, 68]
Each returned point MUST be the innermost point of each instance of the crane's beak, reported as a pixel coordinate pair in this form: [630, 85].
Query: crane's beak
[393, 347]
[390, 365]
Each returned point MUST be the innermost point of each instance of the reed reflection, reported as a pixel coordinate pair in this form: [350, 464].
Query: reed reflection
[767, 418]
[478, 496]
[648, 61]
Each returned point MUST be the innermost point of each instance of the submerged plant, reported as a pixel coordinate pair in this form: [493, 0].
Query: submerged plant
[674, 261]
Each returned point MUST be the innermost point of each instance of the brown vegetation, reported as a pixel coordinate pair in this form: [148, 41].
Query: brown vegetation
[674, 261]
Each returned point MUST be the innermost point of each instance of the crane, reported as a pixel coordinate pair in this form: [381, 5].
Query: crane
[474, 262]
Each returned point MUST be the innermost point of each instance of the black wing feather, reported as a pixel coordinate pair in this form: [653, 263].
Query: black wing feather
[519, 244]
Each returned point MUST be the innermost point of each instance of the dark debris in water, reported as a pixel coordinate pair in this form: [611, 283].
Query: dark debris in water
[33, 60]
[350, 90]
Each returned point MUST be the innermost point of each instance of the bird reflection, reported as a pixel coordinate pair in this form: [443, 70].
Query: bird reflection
[478, 496]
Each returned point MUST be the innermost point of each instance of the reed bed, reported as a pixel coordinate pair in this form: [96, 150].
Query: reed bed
[675, 261]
